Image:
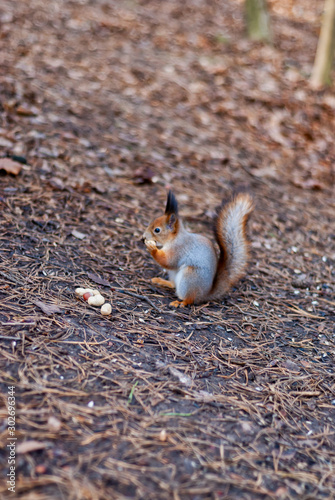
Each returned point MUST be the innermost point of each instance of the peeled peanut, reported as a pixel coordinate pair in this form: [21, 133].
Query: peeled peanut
[96, 300]
[106, 309]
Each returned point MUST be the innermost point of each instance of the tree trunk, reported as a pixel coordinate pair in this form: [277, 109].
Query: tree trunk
[326, 47]
[257, 19]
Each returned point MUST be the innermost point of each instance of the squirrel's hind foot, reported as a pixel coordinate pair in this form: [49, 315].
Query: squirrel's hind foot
[181, 303]
[162, 282]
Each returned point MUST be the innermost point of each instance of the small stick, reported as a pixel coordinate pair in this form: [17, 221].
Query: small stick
[18, 323]
[4, 337]
[138, 296]
[77, 343]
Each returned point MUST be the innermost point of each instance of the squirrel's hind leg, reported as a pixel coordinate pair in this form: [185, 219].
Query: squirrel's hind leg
[187, 287]
[162, 282]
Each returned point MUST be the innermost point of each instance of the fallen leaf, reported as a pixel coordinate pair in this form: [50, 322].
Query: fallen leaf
[143, 175]
[29, 446]
[25, 111]
[47, 308]
[290, 365]
[183, 378]
[97, 279]
[78, 234]
[308, 184]
[57, 183]
[10, 166]
[247, 427]
[5, 143]
[54, 424]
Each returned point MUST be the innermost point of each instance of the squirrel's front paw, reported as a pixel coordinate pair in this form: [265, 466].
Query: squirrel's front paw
[150, 244]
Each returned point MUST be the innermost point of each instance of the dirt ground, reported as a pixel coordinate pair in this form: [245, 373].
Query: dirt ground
[104, 106]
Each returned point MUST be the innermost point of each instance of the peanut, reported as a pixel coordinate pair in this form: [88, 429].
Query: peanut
[106, 309]
[96, 300]
[87, 295]
[80, 291]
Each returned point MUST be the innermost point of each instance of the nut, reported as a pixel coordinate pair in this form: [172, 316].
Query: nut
[150, 244]
[96, 300]
[106, 309]
[80, 291]
[87, 295]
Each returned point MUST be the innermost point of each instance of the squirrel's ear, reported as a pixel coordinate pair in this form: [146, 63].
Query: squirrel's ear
[171, 204]
[172, 220]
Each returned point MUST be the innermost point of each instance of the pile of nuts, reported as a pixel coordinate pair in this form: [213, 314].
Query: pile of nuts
[94, 298]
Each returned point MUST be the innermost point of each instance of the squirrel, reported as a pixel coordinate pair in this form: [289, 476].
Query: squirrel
[195, 269]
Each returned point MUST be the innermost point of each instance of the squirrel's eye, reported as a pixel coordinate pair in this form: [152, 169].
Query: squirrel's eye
[157, 230]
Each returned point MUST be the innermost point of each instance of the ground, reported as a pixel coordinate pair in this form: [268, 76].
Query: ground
[110, 104]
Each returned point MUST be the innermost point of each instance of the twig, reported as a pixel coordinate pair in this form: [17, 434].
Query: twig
[138, 296]
[18, 323]
[301, 312]
[11, 278]
[77, 343]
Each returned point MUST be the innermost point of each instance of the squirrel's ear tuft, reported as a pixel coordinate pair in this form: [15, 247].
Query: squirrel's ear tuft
[171, 204]
[172, 222]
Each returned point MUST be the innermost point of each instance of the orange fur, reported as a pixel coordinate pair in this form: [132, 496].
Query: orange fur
[162, 282]
[182, 303]
[161, 257]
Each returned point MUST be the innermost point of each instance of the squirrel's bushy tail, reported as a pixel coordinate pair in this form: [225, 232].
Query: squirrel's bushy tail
[230, 233]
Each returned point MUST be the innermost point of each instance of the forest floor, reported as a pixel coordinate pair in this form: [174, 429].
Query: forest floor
[110, 104]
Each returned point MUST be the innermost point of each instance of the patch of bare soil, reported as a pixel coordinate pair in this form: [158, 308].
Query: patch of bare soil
[105, 105]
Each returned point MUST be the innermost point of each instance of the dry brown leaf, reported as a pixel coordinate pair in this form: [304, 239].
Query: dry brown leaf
[143, 175]
[10, 166]
[54, 424]
[47, 308]
[97, 279]
[308, 184]
[78, 234]
[290, 365]
[183, 378]
[25, 111]
[29, 446]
